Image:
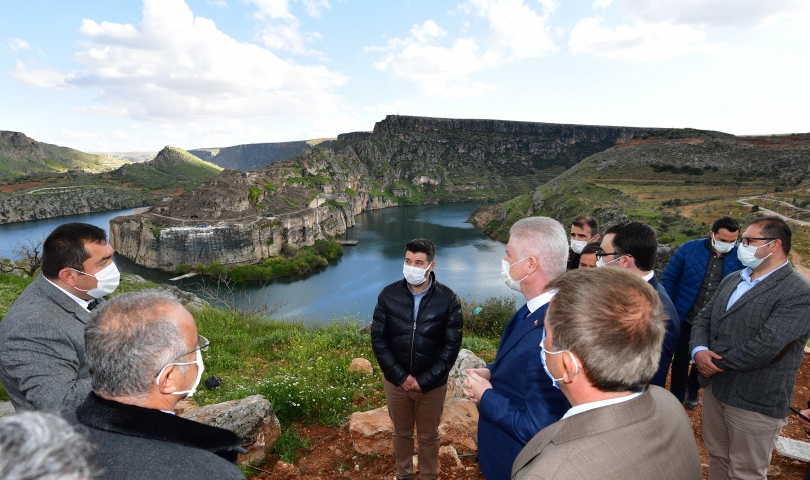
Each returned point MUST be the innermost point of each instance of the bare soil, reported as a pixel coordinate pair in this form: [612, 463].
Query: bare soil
[331, 455]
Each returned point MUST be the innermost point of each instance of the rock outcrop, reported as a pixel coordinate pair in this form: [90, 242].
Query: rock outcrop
[455, 381]
[252, 418]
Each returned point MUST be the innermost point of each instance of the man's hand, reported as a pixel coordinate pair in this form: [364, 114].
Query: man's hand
[475, 385]
[703, 360]
[482, 372]
[410, 384]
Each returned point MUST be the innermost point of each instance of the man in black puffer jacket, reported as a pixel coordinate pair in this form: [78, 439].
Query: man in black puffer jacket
[416, 336]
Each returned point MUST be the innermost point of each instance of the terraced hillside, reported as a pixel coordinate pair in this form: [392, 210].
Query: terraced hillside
[678, 181]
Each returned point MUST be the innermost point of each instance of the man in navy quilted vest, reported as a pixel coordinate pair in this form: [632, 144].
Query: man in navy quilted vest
[691, 278]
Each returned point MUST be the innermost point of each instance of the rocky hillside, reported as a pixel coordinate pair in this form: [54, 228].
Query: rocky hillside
[253, 156]
[21, 155]
[441, 159]
[171, 168]
[51, 202]
[245, 217]
[676, 180]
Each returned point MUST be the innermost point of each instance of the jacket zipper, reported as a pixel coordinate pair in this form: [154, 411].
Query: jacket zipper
[413, 339]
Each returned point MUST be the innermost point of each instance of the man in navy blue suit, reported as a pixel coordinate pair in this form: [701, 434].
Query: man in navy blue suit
[515, 396]
[633, 245]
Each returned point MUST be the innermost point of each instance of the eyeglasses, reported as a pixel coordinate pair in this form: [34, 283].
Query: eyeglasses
[202, 345]
[747, 240]
[601, 254]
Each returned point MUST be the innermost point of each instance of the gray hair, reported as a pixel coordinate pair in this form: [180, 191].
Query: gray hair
[544, 239]
[43, 446]
[129, 339]
[613, 321]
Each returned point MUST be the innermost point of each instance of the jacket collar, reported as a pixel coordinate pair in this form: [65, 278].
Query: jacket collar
[766, 284]
[60, 298]
[131, 420]
[532, 321]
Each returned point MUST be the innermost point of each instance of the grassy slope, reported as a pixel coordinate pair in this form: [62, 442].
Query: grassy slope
[172, 167]
[58, 159]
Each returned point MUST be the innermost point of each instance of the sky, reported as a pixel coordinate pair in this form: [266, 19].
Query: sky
[129, 75]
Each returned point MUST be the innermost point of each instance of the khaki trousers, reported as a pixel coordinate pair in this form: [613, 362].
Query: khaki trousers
[424, 410]
[740, 442]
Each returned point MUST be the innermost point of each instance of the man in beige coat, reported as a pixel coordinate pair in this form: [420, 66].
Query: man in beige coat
[604, 330]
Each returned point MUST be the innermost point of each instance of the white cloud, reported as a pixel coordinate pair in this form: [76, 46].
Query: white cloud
[175, 66]
[281, 30]
[440, 66]
[17, 44]
[437, 70]
[40, 77]
[740, 13]
[603, 4]
[641, 42]
[516, 27]
[77, 135]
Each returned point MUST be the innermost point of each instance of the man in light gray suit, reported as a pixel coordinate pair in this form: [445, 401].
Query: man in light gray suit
[604, 330]
[42, 364]
[748, 343]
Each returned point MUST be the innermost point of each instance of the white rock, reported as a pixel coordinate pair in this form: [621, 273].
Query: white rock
[787, 447]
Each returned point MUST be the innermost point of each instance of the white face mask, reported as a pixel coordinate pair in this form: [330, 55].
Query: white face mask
[200, 367]
[722, 247]
[108, 279]
[601, 263]
[507, 278]
[413, 275]
[578, 245]
[747, 255]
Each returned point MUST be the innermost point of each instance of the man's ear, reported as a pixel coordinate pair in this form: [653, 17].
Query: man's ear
[595, 238]
[168, 379]
[570, 366]
[68, 276]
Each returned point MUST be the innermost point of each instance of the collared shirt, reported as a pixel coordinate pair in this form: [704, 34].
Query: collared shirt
[711, 280]
[599, 404]
[747, 284]
[744, 286]
[417, 298]
[82, 303]
[538, 302]
[648, 276]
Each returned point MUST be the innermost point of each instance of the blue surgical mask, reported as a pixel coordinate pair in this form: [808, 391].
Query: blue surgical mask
[543, 353]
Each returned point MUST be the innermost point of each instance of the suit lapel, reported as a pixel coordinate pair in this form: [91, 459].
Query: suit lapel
[536, 445]
[770, 282]
[60, 298]
[534, 320]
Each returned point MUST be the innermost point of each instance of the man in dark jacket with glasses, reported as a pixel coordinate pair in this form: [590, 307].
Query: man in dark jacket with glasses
[416, 336]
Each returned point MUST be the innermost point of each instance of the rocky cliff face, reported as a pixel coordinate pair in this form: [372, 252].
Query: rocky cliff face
[251, 156]
[245, 217]
[50, 204]
[455, 159]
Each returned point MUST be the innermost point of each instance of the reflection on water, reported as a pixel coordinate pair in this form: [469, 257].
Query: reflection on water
[466, 260]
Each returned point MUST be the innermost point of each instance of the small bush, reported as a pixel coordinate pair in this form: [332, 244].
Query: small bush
[491, 317]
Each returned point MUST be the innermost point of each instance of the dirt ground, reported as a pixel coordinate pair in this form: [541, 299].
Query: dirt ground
[331, 455]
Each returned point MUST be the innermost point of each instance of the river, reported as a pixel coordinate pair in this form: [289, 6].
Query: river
[466, 260]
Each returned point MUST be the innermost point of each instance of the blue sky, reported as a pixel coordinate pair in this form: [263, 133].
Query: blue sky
[138, 75]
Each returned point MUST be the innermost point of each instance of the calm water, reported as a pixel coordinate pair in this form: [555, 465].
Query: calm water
[466, 260]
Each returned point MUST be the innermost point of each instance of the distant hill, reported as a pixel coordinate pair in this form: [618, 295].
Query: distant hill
[678, 181]
[171, 168]
[21, 155]
[253, 156]
[134, 157]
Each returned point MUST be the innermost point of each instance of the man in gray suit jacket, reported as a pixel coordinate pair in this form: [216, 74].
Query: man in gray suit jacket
[604, 330]
[42, 365]
[748, 344]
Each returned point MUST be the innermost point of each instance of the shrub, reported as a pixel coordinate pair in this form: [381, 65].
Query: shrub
[487, 320]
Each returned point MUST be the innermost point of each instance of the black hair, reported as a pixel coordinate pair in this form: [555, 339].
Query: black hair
[637, 240]
[64, 247]
[775, 227]
[422, 245]
[590, 248]
[583, 221]
[725, 222]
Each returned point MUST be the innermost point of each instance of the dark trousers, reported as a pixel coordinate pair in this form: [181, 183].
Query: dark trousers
[681, 374]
